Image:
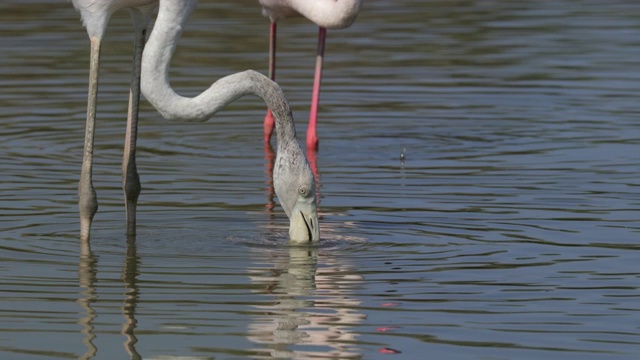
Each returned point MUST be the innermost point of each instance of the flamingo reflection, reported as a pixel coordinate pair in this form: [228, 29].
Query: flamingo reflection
[312, 306]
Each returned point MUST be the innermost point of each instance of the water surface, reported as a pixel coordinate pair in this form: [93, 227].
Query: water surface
[509, 229]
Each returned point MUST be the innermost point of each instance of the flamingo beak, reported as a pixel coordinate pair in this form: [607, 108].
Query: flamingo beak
[303, 227]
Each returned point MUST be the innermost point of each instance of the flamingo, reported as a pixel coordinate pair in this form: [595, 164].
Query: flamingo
[95, 16]
[327, 14]
[293, 179]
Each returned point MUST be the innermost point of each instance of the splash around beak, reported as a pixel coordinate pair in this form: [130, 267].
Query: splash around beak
[303, 228]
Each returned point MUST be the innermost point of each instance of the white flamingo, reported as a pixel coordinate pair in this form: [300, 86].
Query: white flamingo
[292, 177]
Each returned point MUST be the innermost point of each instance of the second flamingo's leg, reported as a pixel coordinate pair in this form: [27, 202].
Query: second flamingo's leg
[312, 136]
[130, 178]
[269, 123]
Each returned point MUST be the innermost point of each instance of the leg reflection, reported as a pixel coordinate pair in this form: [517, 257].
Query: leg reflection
[129, 278]
[87, 280]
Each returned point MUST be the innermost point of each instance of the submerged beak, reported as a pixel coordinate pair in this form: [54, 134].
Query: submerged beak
[304, 224]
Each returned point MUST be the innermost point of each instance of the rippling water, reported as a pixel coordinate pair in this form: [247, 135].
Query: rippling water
[509, 230]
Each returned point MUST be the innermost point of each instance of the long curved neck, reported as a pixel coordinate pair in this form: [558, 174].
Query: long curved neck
[155, 86]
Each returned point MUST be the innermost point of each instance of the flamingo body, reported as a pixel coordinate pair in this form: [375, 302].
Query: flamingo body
[95, 14]
[327, 14]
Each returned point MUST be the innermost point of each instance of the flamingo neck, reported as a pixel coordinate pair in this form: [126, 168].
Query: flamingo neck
[155, 86]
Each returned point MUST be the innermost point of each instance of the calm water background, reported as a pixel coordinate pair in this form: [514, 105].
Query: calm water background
[509, 231]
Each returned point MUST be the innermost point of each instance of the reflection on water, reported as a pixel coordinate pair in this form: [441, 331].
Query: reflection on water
[310, 310]
[87, 279]
[87, 274]
[313, 310]
[508, 230]
[129, 277]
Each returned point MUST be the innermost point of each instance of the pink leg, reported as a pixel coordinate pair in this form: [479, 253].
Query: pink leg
[269, 123]
[312, 157]
[312, 137]
[270, 157]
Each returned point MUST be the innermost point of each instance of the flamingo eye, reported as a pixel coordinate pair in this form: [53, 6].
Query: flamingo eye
[303, 191]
